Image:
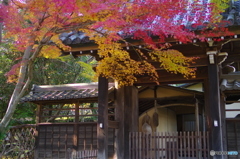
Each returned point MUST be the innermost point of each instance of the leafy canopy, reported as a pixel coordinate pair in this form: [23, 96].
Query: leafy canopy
[108, 22]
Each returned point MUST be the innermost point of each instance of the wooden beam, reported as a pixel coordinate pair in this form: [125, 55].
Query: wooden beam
[232, 58]
[102, 126]
[230, 76]
[113, 124]
[200, 62]
[170, 78]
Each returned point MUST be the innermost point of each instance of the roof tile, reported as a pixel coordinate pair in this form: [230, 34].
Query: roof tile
[60, 92]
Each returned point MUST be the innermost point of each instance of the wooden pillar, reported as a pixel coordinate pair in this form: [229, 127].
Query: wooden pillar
[126, 113]
[197, 116]
[199, 154]
[102, 126]
[223, 120]
[38, 114]
[203, 119]
[213, 106]
[75, 129]
[38, 120]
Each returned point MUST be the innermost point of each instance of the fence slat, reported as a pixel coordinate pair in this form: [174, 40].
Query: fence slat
[169, 145]
[193, 140]
[157, 150]
[208, 154]
[131, 136]
[140, 145]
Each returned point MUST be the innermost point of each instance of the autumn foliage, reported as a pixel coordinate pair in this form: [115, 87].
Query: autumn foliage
[38, 23]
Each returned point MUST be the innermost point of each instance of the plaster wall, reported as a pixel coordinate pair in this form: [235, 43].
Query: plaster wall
[196, 87]
[167, 123]
[232, 114]
[167, 120]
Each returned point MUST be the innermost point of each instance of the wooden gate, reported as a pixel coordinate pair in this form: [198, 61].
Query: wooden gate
[170, 145]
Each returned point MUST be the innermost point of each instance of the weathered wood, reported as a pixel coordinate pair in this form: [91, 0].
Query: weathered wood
[126, 113]
[102, 126]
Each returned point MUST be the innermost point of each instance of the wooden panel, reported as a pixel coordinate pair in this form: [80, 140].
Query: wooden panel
[56, 140]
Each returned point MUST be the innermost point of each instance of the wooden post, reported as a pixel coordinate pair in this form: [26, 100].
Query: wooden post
[199, 154]
[38, 120]
[203, 119]
[223, 120]
[213, 110]
[75, 132]
[102, 126]
[38, 114]
[126, 113]
[197, 116]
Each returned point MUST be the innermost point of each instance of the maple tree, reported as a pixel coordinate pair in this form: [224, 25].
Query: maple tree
[35, 26]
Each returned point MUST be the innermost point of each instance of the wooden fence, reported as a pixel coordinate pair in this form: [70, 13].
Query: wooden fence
[82, 154]
[19, 143]
[169, 145]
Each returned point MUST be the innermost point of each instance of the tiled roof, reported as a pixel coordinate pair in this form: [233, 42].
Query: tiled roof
[61, 92]
[74, 37]
[230, 84]
[78, 37]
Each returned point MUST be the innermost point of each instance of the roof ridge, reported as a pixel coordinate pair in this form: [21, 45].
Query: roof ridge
[66, 87]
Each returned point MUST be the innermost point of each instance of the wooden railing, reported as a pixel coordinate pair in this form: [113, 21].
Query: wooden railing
[170, 145]
[19, 143]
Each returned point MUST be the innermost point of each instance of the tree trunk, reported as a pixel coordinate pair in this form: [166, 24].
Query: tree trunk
[19, 90]
[1, 26]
